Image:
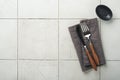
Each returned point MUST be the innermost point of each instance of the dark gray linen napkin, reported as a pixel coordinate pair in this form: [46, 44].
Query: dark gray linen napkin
[95, 38]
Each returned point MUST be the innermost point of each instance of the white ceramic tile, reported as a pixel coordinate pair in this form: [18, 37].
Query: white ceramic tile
[110, 38]
[38, 70]
[8, 8]
[38, 39]
[111, 71]
[38, 8]
[8, 39]
[114, 6]
[71, 70]
[8, 70]
[77, 8]
[66, 47]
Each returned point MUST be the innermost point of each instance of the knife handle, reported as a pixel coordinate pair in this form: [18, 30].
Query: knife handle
[90, 59]
[95, 56]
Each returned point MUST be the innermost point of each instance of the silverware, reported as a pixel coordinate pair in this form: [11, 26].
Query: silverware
[80, 34]
[87, 34]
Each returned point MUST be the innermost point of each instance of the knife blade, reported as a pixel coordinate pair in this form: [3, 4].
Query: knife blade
[80, 35]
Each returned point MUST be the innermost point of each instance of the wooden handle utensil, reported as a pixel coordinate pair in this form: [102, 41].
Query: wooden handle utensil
[90, 59]
[95, 56]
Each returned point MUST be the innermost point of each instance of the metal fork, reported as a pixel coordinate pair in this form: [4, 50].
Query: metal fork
[87, 34]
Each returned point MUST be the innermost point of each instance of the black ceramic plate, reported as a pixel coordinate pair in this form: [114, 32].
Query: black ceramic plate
[103, 12]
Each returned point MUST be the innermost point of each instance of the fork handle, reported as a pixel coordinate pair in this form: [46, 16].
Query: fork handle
[90, 59]
[95, 56]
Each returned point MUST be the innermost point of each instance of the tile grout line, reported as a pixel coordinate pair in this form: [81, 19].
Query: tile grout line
[100, 73]
[47, 18]
[8, 59]
[58, 40]
[51, 59]
[17, 42]
[53, 18]
[112, 60]
[46, 59]
[100, 35]
[101, 40]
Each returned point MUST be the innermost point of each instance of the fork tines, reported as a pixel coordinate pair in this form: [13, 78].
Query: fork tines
[84, 28]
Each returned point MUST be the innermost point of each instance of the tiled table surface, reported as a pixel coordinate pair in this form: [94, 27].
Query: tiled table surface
[35, 43]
